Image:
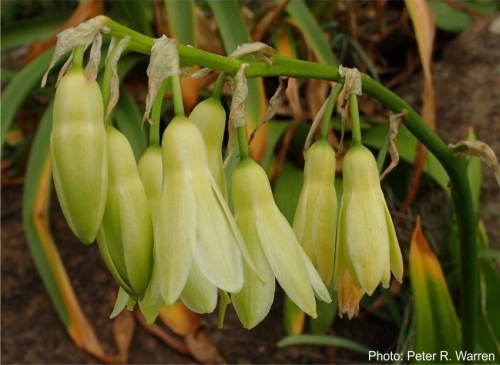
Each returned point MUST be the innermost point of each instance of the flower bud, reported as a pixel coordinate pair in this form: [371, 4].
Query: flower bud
[79, 156]
[315, 221]
[367, 245]
[126, 235]
[210, 117]
[273, 248]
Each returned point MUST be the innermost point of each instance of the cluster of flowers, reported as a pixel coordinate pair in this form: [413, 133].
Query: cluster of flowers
[166, 232]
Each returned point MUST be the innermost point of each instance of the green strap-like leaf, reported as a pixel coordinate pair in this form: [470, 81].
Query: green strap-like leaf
[181, 21]
[19, 88]
[323, 341]
[312, 31]
[43, 251]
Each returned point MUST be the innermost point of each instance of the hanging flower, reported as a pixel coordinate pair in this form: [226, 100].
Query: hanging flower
[273, 247]
[367, 245]
[125, 238]
[195, 234]
[315, 222]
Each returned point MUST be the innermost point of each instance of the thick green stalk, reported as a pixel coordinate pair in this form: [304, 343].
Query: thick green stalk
[284, 66]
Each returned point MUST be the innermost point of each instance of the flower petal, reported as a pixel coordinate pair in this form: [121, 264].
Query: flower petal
[175, 235]
[199, 294]
[280, 246]
[217, 252]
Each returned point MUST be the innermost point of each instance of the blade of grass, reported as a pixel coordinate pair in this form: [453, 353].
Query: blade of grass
[323, 341]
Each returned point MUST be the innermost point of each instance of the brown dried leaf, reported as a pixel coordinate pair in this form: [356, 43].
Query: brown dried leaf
[203, 349]
[171, 341]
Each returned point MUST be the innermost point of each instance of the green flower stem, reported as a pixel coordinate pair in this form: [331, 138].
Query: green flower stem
[355, 123]
[284, 66]
[177, 96]
[154, 127]
[77, 62]
[219, 85]
[332, 100]
[242, 142]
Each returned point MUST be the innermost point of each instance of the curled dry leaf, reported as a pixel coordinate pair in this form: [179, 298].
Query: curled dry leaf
[395, 121]
[237, 113]
[274, 104]
[164, 62]
[481, 150]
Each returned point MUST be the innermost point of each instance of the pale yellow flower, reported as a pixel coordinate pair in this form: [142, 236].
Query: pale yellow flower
[273, 247]
[367, 245]
[193, 227]
[315, 221]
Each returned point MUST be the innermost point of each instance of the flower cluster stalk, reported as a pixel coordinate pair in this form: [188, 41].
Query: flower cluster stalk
[284, 66]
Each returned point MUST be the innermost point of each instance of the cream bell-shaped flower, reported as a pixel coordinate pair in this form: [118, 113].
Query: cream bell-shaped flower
[273, 247]
[367, 245]
[315, 221]
[195, 235]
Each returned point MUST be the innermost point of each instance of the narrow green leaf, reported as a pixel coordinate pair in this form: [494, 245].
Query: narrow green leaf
[137, 14]
[335, 341]
[19, 88]
[327, 312]
[293, 317]
[181, 20]
[42, 248]
[287, 190]
[488, 328]
[311, 31]
[128, 120]
[234, 32]
[406, 144]
[24, 32]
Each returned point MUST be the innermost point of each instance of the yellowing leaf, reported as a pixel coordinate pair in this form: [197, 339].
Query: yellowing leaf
[437, 327]
[424, 24]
